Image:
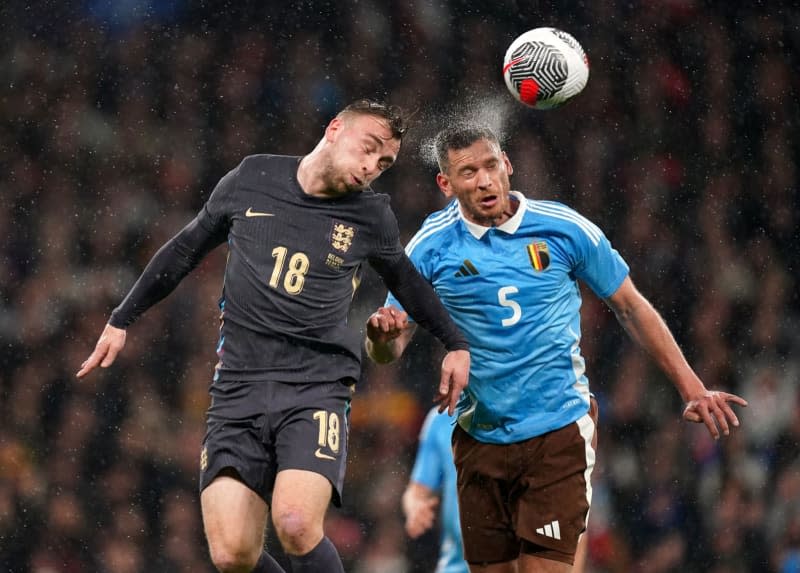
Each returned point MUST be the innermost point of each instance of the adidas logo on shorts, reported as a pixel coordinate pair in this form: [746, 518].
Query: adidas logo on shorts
[552, 529]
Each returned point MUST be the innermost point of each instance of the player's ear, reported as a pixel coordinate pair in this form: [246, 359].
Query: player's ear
[507, 161]
[334, 129]
[444, 185]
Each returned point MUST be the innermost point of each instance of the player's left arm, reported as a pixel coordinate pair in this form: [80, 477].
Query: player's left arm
[423, 492]
[388, 334]
[417, 296]
[419, 507]
[643, 323]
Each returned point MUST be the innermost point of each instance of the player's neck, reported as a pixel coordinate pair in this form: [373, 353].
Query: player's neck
[308, 175]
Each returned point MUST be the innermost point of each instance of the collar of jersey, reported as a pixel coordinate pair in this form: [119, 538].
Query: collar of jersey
[510, 226]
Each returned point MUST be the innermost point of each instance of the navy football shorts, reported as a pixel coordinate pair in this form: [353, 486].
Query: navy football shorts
[261, 428]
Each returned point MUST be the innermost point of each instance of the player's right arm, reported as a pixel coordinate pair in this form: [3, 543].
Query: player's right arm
[163, 273]
[173, 261]
[105, 351]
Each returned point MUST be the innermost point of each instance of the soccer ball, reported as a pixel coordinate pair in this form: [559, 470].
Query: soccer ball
[545, 68]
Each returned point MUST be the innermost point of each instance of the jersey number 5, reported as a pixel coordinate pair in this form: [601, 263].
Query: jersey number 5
[516, 309]
[295, 276]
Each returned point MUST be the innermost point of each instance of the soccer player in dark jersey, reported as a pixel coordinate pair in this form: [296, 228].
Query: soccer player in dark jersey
[298, 230]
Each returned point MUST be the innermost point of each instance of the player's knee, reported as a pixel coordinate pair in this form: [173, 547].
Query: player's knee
[298, 531]
[228, 558]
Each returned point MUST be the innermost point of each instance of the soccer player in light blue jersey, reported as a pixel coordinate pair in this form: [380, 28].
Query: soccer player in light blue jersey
[507, 268]
[433, 484]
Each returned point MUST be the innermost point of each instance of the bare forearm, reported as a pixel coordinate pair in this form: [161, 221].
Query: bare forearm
[646, 327]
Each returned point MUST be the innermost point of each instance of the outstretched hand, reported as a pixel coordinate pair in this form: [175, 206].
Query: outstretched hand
[713, 409]
[455, 377]
[105, 352]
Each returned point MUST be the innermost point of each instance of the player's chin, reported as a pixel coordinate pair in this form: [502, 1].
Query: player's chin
[487, 215]
[493, 212]
[353, 187]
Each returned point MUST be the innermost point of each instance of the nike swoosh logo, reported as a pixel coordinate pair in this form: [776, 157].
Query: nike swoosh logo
[251, 213]
[322, 456]
[511, 63]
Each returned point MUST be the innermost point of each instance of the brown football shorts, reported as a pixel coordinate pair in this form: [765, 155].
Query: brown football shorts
[527, 497]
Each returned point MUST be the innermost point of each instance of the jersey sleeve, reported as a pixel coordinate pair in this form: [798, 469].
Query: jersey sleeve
[215, 216]
[428, 467]
[176, 258]
[387, 245]
[415, 292]
[597, 263]
[418, 259]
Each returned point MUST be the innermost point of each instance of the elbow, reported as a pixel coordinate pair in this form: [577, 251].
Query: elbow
[624, 315]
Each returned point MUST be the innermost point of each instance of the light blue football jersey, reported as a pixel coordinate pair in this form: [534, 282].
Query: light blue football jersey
[513, 291]
[434, 468]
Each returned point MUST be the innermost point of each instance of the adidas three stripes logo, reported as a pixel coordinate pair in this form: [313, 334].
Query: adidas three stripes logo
[467, 269]
[552, 529]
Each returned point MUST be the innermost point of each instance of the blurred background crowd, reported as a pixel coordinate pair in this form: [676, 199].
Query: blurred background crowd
[118, 118]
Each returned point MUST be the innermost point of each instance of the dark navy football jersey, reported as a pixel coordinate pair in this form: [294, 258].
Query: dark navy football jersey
[293, 265]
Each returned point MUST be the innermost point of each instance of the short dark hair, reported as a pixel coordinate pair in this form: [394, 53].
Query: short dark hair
[459, 137]
[394, 115]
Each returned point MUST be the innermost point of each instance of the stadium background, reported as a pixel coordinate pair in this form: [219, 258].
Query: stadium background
[116, 120]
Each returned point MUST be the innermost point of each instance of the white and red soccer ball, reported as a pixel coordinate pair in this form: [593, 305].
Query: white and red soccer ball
[545, 68]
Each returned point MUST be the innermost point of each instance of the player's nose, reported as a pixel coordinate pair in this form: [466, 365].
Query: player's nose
[370, 168]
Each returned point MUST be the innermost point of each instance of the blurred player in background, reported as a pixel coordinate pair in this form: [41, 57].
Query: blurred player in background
[298, 230]
[506, 267]
[432, 488]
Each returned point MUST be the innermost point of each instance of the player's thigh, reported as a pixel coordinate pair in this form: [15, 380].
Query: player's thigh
[314, 432]
[525, 564]
[534, 564]
[300, 494]
[484, 484]
[234, 516]
[234, 440]
[506, 567]
[581, 555]
[554, 493]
